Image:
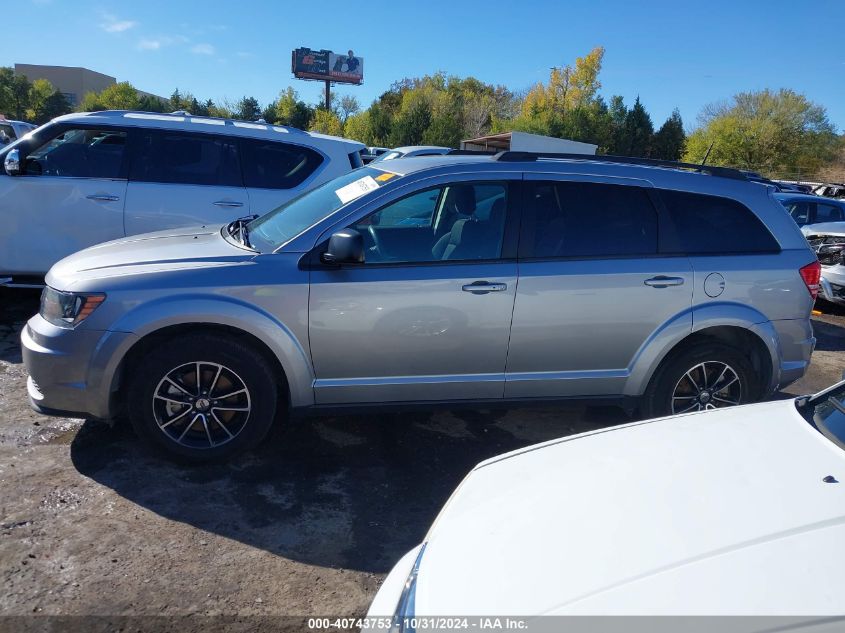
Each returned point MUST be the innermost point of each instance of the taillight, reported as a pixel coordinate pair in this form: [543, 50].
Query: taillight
[812, 274]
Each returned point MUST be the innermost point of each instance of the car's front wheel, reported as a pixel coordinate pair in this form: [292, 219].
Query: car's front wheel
[202, 397]
[699, 378]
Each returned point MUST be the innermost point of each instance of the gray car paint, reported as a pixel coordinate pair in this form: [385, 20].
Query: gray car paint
[408, 333]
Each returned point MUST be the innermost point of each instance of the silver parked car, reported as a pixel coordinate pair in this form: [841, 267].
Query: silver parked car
[471, 279]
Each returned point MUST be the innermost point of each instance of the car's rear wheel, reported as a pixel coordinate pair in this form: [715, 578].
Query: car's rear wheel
[202, 397]
[699, 378]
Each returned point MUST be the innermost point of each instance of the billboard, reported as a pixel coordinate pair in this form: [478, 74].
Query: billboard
[326, 65]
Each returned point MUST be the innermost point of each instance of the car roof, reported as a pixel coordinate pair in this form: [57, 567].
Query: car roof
[188, 122]
[784, 195]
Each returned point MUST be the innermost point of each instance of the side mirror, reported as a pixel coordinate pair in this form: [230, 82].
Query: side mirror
[12, 164]
[344, 246]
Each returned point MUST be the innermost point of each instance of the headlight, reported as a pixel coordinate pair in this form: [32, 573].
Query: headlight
[403, 619]
[68, 309]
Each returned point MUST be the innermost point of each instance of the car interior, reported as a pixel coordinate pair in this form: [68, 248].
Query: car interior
[453, 223]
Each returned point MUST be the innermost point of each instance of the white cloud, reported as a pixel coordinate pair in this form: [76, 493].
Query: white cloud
[202, 49]
[111, 24]
[149, 44]
[244, 54]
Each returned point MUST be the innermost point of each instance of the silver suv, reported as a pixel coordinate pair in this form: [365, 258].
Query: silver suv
[445, 279]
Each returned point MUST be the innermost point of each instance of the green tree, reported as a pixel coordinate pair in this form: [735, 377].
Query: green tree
[357, 127]
[119, 96]
[779, 133]
[668, 141]
[45, 102]
[292, 111]
[412, 123]
[149, 103]
[638, 130]
[326, 122]
[247, 109]
[14, 93]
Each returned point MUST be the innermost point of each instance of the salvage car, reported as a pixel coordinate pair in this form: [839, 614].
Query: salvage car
[93, 177]
[736, 512]
[480, 280]
[822, 221]
[410, 151]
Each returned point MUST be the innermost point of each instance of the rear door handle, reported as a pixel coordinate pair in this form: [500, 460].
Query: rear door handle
[228, 203]
[662, 281]
[483, 287]
[103, 197]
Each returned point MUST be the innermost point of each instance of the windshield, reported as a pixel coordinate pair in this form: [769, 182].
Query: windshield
[826, 412]
[284, 223]
[388, 156]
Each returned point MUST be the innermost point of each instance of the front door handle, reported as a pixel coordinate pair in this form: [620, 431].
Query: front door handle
[228, 203]
[662, 281]
[483, 287]
[103, 197]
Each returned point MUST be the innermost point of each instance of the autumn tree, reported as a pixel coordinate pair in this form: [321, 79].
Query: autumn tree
[779, 133]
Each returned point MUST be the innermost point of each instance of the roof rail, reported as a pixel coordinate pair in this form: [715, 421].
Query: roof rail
[712, 170]
[469, 152]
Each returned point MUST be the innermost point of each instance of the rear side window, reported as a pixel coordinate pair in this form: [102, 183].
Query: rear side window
[581, 219]
[271, 165]
[702, 224]
[190, 159]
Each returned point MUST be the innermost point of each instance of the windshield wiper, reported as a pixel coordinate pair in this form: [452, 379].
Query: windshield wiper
[238, 229]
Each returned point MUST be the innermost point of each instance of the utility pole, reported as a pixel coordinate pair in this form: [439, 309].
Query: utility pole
[328, 95]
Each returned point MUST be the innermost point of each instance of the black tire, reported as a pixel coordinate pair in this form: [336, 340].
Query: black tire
[658, 398]
[159, 420]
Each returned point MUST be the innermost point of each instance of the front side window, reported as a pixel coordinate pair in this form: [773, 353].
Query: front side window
[799, 210]
[79, 153]
[272, 165]
[704, 224]
[582, 219]
[192, 159]
[828, 213]
[459, 222]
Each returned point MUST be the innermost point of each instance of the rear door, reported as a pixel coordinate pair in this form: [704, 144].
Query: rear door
[70, 196]
[181, 179]
[592, 287]
[275, 172]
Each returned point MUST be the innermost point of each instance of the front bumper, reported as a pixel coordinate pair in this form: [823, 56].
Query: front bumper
[71, 371]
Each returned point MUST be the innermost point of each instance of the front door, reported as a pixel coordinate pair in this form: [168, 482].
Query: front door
[427, 315]
[592, 288]
[70, 196]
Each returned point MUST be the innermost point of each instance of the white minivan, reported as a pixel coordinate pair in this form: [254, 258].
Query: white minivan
[87, 178]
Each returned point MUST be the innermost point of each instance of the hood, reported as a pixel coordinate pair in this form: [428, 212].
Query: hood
[824, 228]
[172, 250]
[723, 512]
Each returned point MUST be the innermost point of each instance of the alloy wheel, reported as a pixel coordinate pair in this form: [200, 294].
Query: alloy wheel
[707, 385]
[201, 405]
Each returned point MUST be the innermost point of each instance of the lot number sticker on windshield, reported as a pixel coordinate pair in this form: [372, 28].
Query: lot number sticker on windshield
[356, 189]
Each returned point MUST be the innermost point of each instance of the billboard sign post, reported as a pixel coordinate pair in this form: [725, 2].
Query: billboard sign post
[327, 66]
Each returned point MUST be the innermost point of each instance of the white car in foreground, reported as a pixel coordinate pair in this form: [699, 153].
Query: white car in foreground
[737, 511]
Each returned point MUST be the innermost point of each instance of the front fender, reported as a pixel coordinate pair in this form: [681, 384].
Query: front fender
[151, 316]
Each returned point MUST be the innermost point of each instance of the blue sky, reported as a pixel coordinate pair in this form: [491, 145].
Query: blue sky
[671, 54]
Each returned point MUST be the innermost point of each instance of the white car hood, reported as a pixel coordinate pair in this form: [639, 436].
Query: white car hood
[716, 513]
[824, 228]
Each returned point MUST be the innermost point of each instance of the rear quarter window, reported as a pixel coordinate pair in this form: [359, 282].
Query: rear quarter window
[273, 165]
[700, 224]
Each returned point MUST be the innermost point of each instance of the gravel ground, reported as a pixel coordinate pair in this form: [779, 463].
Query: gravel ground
[92, 522]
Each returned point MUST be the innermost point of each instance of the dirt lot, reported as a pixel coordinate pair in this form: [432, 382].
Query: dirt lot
[93, 522]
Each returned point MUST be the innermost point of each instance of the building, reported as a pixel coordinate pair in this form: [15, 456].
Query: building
[525, 142]
[72, 81]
